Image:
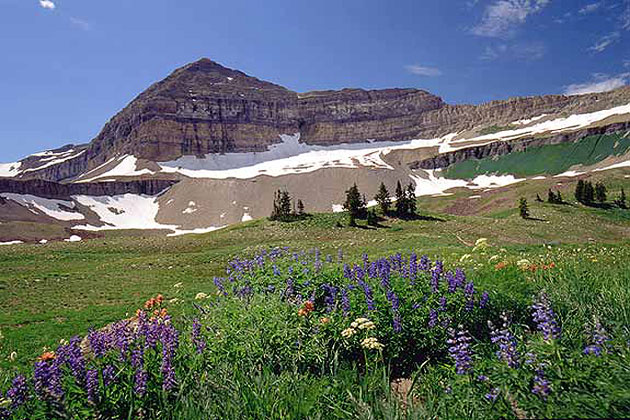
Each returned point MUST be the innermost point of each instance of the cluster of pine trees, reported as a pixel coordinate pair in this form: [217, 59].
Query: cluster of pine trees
[588, 194]
[285, 209]
[404, 205]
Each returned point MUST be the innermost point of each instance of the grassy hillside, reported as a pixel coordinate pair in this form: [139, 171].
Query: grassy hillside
[579, 256]
[549, 159]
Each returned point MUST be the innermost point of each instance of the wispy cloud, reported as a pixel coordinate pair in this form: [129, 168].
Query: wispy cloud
[502, 17]
[605, 42]
[47, 4]
[81, 24]
[590, 8]
[423, 70]
[525, 51]
[624, 18]
[599, 83]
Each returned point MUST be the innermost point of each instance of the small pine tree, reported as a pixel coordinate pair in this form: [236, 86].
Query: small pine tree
[622, 200]
[589, 193]
[538, 198]
[559, 199]
[579, 191]
[354, 204]
[281, 206]
[600, 192]
[411, 200]
[551, 197]
[372, 219]
[523, 209]
[300, 208]
[401, 201]
[383, 199]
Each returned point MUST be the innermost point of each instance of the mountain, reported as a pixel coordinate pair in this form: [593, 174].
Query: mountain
[207, 146]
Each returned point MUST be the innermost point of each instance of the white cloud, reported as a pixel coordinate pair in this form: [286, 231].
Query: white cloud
[423, 71]
[624, 18]
[502, 17]
[527, 51]
[605, 41]
[80, 23]
[590, 8]
[599, 83]
[47, 4]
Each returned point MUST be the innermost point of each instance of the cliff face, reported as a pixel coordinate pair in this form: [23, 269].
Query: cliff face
[204, 108]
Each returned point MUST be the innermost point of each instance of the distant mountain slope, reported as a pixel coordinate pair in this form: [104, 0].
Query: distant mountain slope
[207, 146]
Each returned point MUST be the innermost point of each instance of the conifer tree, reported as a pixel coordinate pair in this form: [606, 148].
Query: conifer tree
[559, 199]
[600, 192]
[300, 208]
[411, 199]
[589, 193]
[372, 219]
[551, 197]
[579, 191]
[523, 209]
[354, 204]
[281, 206]
[538, 198]
[383, 199]
[621, 201]
[401, 201]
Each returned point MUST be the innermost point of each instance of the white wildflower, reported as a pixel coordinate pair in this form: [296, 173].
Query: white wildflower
[348, 332]
[200, 296]
[372, 343]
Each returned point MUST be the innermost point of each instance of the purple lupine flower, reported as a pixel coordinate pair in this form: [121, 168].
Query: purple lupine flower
[446, 321]
[460, 350]
[366, 261]
[413, 265]
[18, 392]
[91, 384]
[369, 299]
[451, 281]
[98, 342]
[460, 277]
[506, 341]
[485, 298]
[47, 380]
[425, 263]
[373, 270]
[347, 272]
[384, 273]
[359, 273]
[329, 297]
[482, 378]
[599, 338]
[433, 318]
[137, 357]
[435, 281]
[73, 356]
[140, 382]
[290, 289]
[397, 322]
[329, 258]
[276, 272]
[442, 302]
[108, 375]
[545, 317]
[416, 305]
[469, 292]
[345, 302]
[493, 394]
[197, 340]
[541, 384]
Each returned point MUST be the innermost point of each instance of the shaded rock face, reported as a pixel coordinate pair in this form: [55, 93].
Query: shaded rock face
[54, 190]
[204, 108]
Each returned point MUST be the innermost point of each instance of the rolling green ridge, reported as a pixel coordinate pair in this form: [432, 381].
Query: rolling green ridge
[549, 159]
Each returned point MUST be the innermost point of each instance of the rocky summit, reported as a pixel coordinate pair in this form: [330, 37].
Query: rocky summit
[207, 147]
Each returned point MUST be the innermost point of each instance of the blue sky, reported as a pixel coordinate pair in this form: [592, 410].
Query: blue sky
[69, 65]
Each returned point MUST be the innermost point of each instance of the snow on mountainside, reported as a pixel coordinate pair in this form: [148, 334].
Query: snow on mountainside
[208, 154]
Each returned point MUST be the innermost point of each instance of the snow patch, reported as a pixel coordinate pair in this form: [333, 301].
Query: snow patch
[436, 186]
[179, 232]
[11, 243]
[569, 174]
[9, 170]
[246, 217]
[127, 166]
[625, 164]
[537, 178]
[529, 121]
[56, 209]
[73, 238]
[337, 208]
[55, 160]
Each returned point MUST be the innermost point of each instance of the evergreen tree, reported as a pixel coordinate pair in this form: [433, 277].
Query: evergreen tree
[559, 199]
[621, 202]
[551, 197]
[589, 193]
[538, 198]
[579, 191]
[281, 206]
[372, 219]
[600, 192]
[401, 201]
[354, 204]
[411, 200]
[383, 199]
[300, 208]
[523, 209]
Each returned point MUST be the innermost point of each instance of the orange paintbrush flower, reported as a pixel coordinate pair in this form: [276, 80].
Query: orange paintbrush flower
[309, 306]
[46, 356]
